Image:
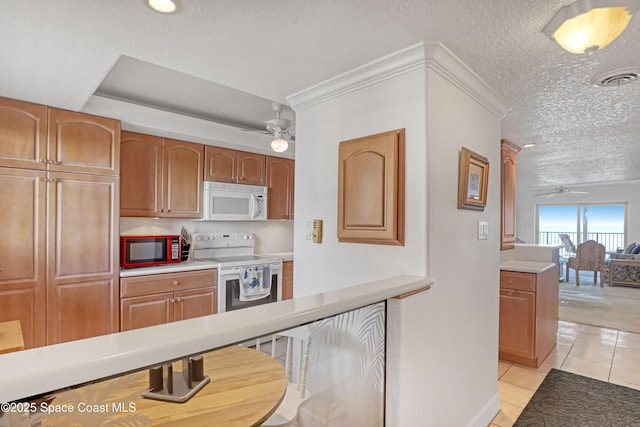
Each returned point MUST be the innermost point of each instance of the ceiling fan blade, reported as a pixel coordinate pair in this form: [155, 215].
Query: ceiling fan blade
[550, 194]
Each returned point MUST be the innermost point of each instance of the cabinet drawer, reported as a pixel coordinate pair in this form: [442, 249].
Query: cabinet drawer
[518, 281]
[168, 282]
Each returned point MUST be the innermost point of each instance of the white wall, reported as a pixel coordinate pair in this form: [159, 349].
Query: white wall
[622, 192]
[391, 104]
[270, 236]
[442, 344]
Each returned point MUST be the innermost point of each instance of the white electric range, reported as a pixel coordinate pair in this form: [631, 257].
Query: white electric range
[244, 279]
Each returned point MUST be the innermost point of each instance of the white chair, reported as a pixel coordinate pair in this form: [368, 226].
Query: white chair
[296, 369]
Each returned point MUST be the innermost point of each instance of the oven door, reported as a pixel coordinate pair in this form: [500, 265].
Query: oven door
[231, 279]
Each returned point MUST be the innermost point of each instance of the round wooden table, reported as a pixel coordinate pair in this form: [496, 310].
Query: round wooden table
[246, 387]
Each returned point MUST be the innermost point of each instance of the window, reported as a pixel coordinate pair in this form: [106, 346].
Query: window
[605, 224]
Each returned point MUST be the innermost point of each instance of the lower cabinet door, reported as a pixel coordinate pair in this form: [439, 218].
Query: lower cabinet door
[81, 310]
[517, 322]
[195, 303]
[287, 280]
[149, 310]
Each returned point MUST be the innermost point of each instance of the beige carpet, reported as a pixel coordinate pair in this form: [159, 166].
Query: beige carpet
[614, 307]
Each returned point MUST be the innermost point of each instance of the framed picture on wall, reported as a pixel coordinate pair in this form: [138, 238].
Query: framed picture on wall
[473, 180]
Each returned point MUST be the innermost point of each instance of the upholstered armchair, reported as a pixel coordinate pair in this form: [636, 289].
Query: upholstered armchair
[589, 257]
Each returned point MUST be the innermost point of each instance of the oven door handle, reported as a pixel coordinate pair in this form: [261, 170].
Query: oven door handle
[236, 270]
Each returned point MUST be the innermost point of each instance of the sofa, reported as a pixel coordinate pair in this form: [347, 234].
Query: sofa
[622, 269]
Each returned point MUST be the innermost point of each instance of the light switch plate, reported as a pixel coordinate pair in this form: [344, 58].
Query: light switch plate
[308, 230]
[483, 230]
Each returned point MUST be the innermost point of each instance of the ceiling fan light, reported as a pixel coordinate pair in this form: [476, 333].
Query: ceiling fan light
[279, 145]
[589, 25]
[162, 6]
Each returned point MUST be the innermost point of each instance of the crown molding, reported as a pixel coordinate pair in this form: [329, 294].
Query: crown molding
[432, 56]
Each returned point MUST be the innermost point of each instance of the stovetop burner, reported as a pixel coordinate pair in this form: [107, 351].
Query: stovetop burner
[228, 249]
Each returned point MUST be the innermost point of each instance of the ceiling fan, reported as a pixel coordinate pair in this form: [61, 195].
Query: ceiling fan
[563, 190]
[281, 129]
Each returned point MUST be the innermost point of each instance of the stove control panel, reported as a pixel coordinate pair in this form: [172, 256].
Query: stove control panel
[223, 240]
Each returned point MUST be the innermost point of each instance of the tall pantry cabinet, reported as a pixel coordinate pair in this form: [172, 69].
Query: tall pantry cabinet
[60, 199]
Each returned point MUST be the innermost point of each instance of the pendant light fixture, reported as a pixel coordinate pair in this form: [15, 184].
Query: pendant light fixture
[588, 25]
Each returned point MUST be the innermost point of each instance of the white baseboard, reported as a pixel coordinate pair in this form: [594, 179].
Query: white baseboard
[487, 413]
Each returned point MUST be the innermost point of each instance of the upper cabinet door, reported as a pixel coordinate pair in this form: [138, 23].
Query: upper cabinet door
[140, 175]
[371, 189]
[83, 143]
[280, 188]
[221, 164]
[508, 195]
[23, 134]
[182, 181]
[251, 168]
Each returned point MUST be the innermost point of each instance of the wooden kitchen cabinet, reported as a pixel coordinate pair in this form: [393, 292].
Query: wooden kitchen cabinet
[287, 280]
[371, 189]
[83, 143]
[160, 177]
[65, 290]
[59, 190]
[528, 316]
[23, 134]
[517, 322]
[82, 268]
[140, 175]
[508, 154]
[149, 310]
[22, 252]
[38, 137]
[161, 298]
[182, 179]
[239, 167]
[280, 187]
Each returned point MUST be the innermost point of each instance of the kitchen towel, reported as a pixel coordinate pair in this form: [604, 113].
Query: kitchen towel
[254, 283]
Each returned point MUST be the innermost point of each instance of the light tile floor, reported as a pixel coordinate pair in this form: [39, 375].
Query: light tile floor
[600, 353]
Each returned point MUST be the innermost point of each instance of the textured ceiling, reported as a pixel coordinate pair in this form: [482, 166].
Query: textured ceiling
[59, 53]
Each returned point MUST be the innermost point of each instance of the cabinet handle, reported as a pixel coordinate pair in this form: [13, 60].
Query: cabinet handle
[178, 299]
[51, 161]
[42, 160]
[174, 282]
[168, 210]
[172, 300]
[510, 280]
[161, 210]
[510, 293]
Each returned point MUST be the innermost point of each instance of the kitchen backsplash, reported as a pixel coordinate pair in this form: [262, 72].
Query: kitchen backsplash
[270, 236]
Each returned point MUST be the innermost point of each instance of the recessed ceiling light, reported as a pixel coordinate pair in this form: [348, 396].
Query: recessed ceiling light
[162, 6]
[529, 145]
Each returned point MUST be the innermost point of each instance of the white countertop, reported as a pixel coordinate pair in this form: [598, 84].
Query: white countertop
[168, 268]
[285, 256]
[532, 245]
[40, 370]
[526, 266]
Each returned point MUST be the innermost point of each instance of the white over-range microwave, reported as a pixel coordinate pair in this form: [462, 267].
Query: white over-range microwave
[234, 202]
